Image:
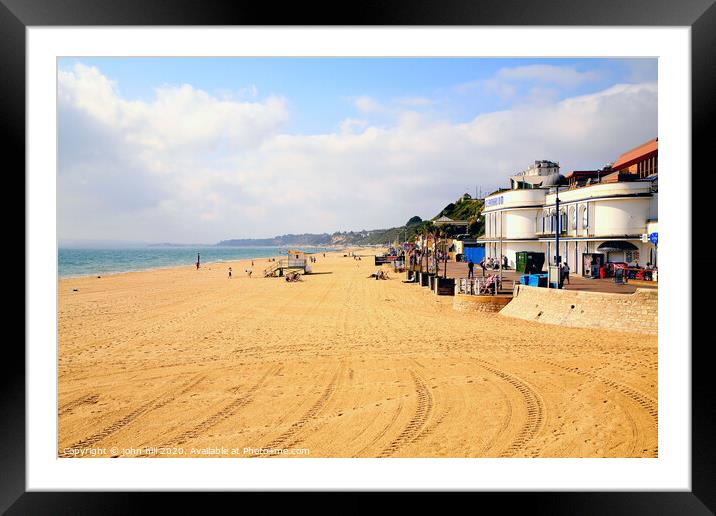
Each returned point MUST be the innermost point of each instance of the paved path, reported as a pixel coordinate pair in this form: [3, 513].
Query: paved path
[459, 270]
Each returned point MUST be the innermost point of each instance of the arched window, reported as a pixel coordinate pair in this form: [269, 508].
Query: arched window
[573, 217]
[563, 220]
[545, 218]
[585, 216]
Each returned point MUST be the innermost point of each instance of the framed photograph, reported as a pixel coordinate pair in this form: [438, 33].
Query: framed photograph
[415, 251]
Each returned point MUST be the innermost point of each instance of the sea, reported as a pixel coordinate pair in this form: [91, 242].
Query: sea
[74, 262]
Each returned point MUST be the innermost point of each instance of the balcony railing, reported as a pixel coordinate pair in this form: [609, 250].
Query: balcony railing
[543, 234]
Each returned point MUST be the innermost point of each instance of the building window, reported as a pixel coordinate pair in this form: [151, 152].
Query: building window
[585, 217]
[573, 217]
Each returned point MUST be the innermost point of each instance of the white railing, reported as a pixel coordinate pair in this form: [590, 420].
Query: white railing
[483, 286]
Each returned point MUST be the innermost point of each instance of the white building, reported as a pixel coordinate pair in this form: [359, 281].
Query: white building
[511, 222]
[609, 219]
[535, 175]
[614, 217]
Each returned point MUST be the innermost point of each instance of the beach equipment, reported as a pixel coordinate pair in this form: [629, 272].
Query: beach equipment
[295, 260]
[293, 276]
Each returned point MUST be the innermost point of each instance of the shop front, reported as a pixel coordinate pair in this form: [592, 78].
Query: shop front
[619, 251]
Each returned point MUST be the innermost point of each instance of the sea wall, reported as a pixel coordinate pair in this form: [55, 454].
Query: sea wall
[489, 304]
[637, 312]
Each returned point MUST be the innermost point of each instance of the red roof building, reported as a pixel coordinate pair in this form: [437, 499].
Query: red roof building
[641, 161]
[579, 178]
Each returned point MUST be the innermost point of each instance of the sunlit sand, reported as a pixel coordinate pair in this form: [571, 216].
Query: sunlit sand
[180, 362]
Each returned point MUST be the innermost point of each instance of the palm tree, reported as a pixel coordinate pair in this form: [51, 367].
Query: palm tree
[443, 234]
[425, 230]
[419, 233]
[431, 231]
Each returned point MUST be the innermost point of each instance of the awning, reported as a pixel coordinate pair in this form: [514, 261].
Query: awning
[611, 246]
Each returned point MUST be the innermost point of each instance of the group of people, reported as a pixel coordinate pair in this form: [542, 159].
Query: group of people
[293, 276]
[248, 271]
[493, 263]
[486, 263]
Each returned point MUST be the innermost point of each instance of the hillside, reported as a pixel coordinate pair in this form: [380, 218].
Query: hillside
[279, 241]
[346, 238]
[465, 208]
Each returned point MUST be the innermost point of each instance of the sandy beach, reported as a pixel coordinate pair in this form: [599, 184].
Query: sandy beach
[180, 362]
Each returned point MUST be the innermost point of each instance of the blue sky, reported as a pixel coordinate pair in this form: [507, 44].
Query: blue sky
[321, 91]
[188, 146]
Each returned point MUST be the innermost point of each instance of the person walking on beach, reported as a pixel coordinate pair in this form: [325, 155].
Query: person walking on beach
[565, 273]
[229, 272]
[470, 267]
[197, 260]
[249, 271]
[483, 266]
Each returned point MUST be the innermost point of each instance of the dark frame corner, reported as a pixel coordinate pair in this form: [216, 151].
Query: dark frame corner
[700, 15]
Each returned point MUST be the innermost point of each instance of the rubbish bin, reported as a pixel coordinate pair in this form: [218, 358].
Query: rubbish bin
[619, 276]
[602, 272]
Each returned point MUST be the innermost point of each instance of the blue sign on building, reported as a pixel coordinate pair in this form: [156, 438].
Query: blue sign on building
[654, 238]
[494, 201]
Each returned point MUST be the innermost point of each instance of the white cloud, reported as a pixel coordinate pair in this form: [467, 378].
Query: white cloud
[188, 167]
[179, 119]
[508, 82]
[367, 104]
[561, 75]
[350, 125]
[415, 101]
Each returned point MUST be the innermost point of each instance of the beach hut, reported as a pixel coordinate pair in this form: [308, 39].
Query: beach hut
[296, 258]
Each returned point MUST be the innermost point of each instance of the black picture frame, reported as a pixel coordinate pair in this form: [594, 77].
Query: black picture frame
[700, 15]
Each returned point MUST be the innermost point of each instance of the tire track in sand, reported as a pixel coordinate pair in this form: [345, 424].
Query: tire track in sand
[649, 405]
[644, 401]
[224, 413]
[382, 433]
[90, 399]
[535, 410]
[417, 423]
[503, 427]
[145, 408]
[290, 437]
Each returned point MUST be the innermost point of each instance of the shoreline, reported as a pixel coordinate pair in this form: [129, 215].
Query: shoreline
[180, 267]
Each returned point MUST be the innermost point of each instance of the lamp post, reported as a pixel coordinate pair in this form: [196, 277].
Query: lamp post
[557, 257]
[499, 282]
